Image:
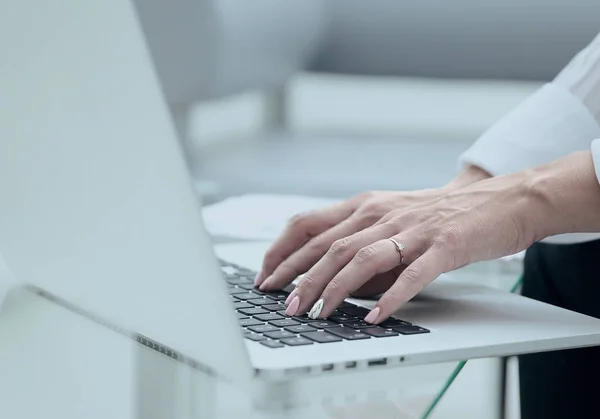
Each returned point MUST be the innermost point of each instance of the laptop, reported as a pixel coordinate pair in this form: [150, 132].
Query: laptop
[99, 213]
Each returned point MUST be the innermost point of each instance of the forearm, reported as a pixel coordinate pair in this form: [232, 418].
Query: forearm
[563, 196]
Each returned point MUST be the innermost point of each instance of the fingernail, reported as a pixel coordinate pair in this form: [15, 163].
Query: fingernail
[372, 316]
[293, 307]
[292, 295]
[262, 286]
[315, 311]
[258, 279]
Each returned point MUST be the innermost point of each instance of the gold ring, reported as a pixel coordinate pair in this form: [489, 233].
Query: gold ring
[399, 248]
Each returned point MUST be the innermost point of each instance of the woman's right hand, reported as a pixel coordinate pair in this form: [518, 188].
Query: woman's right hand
[309, 236]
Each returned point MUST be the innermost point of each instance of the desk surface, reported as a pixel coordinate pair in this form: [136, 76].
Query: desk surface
[55, 363]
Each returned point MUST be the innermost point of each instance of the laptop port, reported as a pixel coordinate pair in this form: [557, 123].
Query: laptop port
[375, 362]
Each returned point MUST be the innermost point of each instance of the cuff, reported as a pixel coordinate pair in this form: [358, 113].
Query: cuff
[547, 126]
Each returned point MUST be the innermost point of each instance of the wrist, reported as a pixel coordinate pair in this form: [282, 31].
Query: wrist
[563, 196]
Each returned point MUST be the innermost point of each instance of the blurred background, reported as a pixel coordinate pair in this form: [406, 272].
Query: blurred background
[334, 97]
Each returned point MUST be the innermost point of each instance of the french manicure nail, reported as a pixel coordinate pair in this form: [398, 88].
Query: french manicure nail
[263, 283]
[315, 311]
[258, 279]
[293, 307]
[292, 295]
[372, 316]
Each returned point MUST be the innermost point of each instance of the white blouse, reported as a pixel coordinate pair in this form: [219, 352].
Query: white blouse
[560, 118]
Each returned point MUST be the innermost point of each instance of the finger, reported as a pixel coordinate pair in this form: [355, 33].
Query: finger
[337, 257]
[308, 255]
[299, 230]
[374, 259]
[416, 276]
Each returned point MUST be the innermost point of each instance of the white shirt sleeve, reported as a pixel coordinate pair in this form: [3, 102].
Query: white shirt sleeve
[560, 118]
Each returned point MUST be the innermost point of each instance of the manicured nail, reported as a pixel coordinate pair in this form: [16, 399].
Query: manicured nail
[372, 316]
[315, 311]
[293, 307]
[258, 280]
[292, 295]
[262, 286]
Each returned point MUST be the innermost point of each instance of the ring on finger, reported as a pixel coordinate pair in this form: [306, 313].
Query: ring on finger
[399, 248]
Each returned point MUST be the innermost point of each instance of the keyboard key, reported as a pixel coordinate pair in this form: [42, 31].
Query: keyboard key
[278, 295]
[241, 316]
[300, 329]
[261, 301]
[410, 330]
[379, 332]
[247, 296]
[297, 341]
[321, 337]
[282, 313]
[263, 328]
[272, 343]
[345, 304]
[359, 312]
[236, 291]
[242, 304]
[239, 281]
[358, 325]
[284, 323]
[322, 324]
[275, 307]
[391, 322]
[342, 318]
[347, 333]
[228, 270]
[280, 334]
[254, 336]
[253, 311]
[249, 286]
[250, 322]
[266, 316]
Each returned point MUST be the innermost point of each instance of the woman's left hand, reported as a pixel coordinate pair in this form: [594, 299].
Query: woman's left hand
[487, 220]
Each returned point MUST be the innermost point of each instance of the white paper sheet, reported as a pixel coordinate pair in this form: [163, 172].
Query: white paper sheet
[256, 216]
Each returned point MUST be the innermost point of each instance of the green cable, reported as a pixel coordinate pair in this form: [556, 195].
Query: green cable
[449, 382]
[458, 368]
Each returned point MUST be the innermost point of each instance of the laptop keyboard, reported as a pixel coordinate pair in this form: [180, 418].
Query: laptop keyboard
[262, 317]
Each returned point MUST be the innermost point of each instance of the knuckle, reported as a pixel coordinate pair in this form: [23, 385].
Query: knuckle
[449, 237]
[340, 247]
[308, 282]
[299, 221]
[366, 254]
[365, 196]
[372, 209]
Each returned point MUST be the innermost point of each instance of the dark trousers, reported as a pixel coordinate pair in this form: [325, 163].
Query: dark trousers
[562, 384]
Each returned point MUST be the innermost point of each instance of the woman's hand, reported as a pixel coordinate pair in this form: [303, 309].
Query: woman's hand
[308, 236]
[487, 220]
